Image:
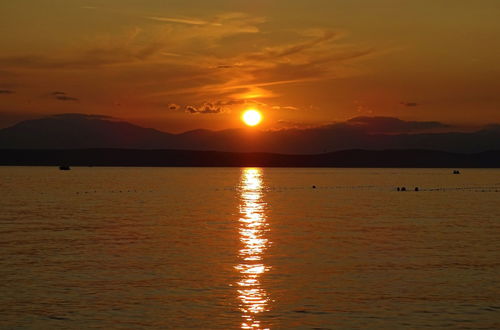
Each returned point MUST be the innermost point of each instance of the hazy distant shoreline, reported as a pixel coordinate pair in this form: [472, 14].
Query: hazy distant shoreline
[189, 158]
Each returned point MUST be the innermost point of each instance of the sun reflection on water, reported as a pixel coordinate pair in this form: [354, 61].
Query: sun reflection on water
[253, 228]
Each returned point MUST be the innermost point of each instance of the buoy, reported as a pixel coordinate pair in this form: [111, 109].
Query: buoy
[314, 187]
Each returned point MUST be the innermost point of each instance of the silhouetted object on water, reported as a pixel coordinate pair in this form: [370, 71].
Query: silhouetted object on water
[456, 172]
[398, 189]
[403, 188]
[416, 189]
[314, 187]
[64, 168]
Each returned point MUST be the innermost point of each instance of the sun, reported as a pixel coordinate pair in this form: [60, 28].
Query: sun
[251, 117]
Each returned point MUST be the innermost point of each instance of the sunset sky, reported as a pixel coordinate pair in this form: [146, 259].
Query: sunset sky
[182, 65]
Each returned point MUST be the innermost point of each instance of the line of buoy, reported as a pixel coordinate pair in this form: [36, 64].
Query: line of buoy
[404, 189]
[112, 191]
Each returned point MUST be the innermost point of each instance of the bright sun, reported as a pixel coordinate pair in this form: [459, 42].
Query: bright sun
[251, 117]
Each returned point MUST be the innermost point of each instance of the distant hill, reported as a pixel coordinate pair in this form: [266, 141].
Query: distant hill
[77, 131]
[346, 158]
[69, 131]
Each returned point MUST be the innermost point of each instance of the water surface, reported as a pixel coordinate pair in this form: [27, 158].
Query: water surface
[251, 248]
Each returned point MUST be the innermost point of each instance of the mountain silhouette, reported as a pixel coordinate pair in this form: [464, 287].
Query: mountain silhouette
[78, 131]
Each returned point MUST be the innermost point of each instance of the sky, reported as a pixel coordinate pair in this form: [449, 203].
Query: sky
[184, 65]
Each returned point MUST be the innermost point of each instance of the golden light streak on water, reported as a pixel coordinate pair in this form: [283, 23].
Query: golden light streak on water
[253, 228]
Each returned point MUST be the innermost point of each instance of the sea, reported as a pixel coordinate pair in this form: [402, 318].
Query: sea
[249, 248]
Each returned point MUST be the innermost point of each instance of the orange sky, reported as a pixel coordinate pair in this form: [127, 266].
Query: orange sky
[181, 65]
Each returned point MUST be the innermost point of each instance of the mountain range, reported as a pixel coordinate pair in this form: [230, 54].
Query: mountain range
[79, 131]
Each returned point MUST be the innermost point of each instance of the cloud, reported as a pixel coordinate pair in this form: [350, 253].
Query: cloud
[63, 96]
[286, 107]
[392, 125]
[207, 108]
[228, 105]
[189, 21]
[6, 91]
[94, 54]
[173, 106]
[225, 57]
[409, 104]
[191, 109]
[92, 59]
[288, 50]
[66, 98]
[182, 44]
[260, 74]
[170, 54]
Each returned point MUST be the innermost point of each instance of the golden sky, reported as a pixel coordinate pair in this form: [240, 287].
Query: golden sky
[181, 65]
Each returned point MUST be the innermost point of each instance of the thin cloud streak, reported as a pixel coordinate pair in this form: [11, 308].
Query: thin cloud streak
[190, 21]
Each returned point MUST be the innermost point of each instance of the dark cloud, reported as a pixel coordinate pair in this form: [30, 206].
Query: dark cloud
[207, 108]
[216, 107]
[63, 96]
[66, 98]
[6, 91]
[409, 104]
[173, 106]
[392, 125]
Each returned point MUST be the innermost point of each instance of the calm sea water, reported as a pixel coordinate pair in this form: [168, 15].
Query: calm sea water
[251, 248]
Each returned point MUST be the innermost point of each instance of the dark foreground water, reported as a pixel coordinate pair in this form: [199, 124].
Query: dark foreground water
[228, 248]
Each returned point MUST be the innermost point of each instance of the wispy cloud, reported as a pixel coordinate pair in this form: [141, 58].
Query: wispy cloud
[287, 50]
[409, 104]
[190, 21]
[286, 107]
[200, 61]
[63, 96]
[314, 58]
